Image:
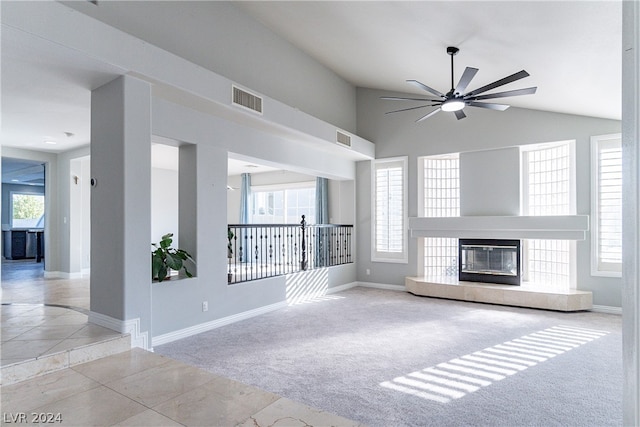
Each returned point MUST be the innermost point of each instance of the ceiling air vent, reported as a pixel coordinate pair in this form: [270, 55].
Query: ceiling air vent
[247, 100]
[343, 139]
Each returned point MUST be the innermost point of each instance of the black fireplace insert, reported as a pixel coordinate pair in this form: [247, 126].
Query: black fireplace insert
[489, 261]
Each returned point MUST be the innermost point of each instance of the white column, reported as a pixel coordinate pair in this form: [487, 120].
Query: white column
[121, 206]
[630, 209]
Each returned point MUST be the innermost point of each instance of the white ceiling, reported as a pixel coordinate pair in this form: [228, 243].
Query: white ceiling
[571, 49]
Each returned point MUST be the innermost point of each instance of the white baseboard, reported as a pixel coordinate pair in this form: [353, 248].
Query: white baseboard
[131, 327]
[203, 327]
[400, 288]
[607, 309]
[61, 275]
[341, 288]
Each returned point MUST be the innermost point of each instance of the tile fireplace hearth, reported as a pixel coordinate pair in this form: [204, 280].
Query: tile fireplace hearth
[526, 295]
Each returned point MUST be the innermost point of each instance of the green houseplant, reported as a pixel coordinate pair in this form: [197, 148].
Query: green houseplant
[164, 258]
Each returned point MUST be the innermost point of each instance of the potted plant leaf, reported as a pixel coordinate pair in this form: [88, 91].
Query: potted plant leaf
[165, 258]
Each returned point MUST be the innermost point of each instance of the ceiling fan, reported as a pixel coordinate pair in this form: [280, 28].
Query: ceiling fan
[455, 100]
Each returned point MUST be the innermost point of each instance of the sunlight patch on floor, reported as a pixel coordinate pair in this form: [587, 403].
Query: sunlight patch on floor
[469, 373]
[309, 287]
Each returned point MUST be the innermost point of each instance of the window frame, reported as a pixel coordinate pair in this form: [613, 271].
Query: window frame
[26, 193]
[282, 187]
[596, 142]
[383, 256]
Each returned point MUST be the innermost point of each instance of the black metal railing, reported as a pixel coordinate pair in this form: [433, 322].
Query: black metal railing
[257, 251]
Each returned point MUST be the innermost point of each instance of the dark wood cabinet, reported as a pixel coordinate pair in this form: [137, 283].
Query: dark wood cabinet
[20, 244]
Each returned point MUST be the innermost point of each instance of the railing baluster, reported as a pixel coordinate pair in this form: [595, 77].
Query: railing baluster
[265, 250]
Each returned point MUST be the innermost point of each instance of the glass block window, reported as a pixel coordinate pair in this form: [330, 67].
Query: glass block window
[441, 198]
[549, 189]
[441, 186]
[549, 262]
[549, 181]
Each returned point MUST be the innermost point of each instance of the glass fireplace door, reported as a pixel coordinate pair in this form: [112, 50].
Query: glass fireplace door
[490, 261]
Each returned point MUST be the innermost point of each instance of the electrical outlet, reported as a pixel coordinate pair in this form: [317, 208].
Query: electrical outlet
[368, 272]
[205, 305]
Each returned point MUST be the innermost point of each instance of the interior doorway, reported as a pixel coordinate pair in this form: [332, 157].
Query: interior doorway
[24, 207]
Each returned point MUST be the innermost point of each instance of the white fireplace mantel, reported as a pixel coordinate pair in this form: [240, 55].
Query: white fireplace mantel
[561, 227]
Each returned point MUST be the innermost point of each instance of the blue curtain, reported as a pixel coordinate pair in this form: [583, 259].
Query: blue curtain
[322, 201]
[322, 217]
[245, 199]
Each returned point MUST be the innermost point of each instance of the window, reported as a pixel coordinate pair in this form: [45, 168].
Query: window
[549, 189]
[440, 181]
[27, 210]
[389, 178]
[606, 205]
[283, 204]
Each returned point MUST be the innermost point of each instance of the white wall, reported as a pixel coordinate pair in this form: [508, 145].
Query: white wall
[164, 192]
[490, 182]
[630, 207]
[79, 215]
[179, 305]
[398, 135]
[220, 37]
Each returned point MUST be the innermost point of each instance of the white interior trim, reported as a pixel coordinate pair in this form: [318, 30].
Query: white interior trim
[607, 309]
[131, 327]
[207, 326]
[565, 227]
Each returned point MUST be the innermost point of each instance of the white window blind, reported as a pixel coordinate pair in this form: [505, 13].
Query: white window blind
[606, 210]
[441, 198]
[389, 210]
[549, 189]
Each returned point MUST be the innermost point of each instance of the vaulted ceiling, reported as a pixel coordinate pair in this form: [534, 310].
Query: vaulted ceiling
[571, 49]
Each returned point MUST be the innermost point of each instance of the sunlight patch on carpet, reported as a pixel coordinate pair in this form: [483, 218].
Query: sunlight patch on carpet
[309, 287]
[466, 374]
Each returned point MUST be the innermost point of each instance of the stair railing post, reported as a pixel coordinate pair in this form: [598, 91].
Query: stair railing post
[303, 262]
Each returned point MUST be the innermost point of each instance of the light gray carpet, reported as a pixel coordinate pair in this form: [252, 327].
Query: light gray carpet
[382, 357]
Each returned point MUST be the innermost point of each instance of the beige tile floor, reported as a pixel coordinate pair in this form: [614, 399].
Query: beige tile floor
[139, 388]
[42, 317]
[31, 331]
[132, 388]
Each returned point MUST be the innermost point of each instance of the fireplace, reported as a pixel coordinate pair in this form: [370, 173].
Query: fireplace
[489, 261]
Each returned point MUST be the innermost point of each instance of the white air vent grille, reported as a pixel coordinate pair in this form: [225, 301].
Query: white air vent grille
[247, 100]
[343, 139]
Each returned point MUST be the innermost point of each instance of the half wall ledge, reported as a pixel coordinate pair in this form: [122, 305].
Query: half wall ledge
[561, 227]
[527, 296]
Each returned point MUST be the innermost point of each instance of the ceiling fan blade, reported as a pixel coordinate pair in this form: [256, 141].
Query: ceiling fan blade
[460, 114]
[499, 107]
[517, 92]
[512, 78]
[398, 98]
[468, 74]
[411, 108]
[425, 87]
[428, 115]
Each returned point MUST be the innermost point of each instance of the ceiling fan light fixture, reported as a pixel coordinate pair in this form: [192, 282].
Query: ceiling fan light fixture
[458, 98]
[453, 104]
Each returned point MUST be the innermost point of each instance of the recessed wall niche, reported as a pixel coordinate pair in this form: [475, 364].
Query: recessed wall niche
[173, 195]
